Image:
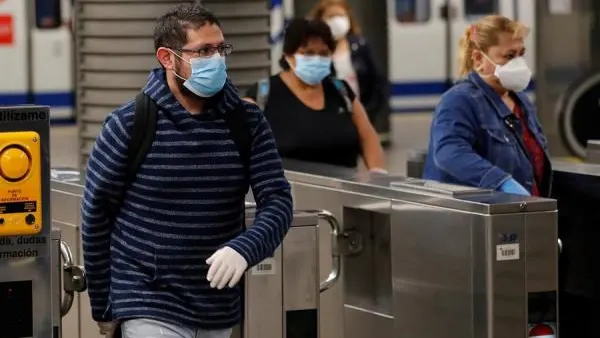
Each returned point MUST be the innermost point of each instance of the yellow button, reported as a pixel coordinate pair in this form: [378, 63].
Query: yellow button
[14, 164]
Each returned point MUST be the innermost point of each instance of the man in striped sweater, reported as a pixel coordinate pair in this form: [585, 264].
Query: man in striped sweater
[167, 263]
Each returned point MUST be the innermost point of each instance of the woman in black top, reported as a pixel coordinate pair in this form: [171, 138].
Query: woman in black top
[314, 116]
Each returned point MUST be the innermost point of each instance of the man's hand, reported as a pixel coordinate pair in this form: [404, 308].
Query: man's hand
[226, 268]
[107, 328]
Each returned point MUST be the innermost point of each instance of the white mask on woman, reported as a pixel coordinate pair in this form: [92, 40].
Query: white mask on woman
[339, 25]
[515, 75]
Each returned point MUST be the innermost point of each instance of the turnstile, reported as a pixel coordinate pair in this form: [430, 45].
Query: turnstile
[281, 292]
[424, 259]
[577, 188]
[31, 270]
[67, 280]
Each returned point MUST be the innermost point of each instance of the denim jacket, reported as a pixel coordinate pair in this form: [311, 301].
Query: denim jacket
[475, 139]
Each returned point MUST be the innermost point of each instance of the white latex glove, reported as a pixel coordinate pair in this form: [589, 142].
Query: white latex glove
[226, 268]
[108, 328]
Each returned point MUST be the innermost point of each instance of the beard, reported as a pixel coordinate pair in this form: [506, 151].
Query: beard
[182, 89]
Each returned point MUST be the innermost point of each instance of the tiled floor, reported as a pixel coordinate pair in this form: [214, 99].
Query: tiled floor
[410, 131]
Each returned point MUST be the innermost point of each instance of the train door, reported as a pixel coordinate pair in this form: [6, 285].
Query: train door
[52, 58]
[14, 52]
[463, 13]
[423, 46]
[417, 53]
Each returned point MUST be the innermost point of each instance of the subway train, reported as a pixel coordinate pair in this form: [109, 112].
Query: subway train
[423, 37]
[37, 55]
[431, 28]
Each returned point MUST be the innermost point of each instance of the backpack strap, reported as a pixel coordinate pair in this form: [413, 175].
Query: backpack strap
[237, 122]
[262, 92]
[142, 135]
[343, 91]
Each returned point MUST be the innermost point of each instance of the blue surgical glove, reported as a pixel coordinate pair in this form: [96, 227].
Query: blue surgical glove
[511, 186]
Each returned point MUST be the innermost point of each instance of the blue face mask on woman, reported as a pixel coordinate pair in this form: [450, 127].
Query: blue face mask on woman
[312, 69]
[208, 75]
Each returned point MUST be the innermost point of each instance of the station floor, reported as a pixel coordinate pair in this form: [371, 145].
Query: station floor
[409, 131]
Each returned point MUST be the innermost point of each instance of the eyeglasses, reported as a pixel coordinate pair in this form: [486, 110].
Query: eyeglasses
[208, 51]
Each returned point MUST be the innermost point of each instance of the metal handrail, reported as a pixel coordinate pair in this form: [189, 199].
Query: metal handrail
[336, 231]
[73, 280]
[336, 267]
[67, 257]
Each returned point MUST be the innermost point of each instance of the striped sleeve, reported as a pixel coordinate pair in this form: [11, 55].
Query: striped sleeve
[272, 194]
[103, 185]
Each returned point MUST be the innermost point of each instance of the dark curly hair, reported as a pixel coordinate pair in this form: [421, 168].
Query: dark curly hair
[299, 31]
[171, 28]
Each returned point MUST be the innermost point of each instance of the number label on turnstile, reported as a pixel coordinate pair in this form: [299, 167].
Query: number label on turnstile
[266, 267]
[507, 252]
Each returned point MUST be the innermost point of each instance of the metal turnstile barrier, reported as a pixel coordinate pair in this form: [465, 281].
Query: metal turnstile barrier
[32, 274]
[281, 292]
[576, 186]
[425, 259]
[67, 279]
[286, 286]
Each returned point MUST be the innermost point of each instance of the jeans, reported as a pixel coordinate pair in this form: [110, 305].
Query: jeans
[150, 328]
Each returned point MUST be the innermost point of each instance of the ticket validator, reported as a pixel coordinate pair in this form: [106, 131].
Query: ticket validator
[31, 270]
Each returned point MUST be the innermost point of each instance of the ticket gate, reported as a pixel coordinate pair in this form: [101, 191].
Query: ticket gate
[67, 280]
[576, 186]
[287, 286]
[281, 292]
[31, 271]
[424, 259]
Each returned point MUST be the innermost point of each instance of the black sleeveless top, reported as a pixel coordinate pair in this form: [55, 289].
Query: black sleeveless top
[324, 136]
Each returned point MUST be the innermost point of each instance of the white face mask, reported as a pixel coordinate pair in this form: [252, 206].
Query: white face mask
[339, 25]
[514, 75]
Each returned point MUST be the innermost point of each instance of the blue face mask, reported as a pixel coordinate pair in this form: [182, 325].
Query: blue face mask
[208, 75]
[312, 69]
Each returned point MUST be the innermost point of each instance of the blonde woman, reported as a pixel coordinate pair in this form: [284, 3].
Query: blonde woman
[485, 131]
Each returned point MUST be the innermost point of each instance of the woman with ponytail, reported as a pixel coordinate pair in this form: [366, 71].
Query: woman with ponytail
[485, 131]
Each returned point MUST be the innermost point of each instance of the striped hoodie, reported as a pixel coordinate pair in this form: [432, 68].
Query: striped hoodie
[183, 205]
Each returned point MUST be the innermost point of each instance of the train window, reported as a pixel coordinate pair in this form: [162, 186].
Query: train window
[413, 10]
[480, 7]
[47, 14]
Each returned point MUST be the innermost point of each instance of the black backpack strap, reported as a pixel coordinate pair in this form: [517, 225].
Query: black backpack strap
[237, 122]
[142, 135]
[343, 91]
